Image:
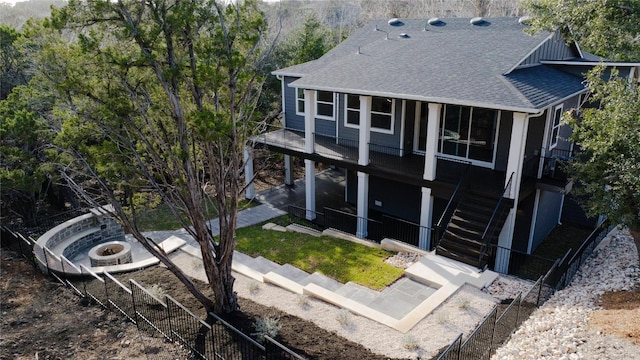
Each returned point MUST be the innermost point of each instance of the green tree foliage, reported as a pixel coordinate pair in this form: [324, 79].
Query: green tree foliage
[160, 96]
[13, 71]
[608, 28]
[306, 43]
[608, 131]
[608, 168]
[24, 171]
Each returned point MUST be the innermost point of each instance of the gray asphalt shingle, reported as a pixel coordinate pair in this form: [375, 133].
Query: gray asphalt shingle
[455, 63]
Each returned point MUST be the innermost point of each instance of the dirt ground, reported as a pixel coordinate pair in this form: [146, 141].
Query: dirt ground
[42, 319]
[620, 315]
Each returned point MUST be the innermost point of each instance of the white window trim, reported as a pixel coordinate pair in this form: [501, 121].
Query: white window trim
[346, 111]
[485, 164]
[373, 129]
[393, 118]
[554, 142]
[333, 106]
[298, 99]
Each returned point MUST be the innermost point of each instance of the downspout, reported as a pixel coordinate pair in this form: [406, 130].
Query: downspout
[281, 78]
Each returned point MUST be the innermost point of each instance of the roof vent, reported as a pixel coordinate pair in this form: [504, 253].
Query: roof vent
[435, 21]
[477, 21]
[524, 20]
[395, 22]
[403, 36]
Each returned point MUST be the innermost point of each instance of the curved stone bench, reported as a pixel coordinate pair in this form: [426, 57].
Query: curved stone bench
[68, 239]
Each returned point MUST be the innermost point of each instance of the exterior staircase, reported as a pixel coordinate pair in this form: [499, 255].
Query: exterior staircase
[462, 239]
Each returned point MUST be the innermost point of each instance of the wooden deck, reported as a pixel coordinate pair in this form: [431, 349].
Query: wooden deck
[384, 162]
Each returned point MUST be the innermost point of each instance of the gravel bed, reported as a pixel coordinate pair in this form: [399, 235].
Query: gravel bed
[559, 329]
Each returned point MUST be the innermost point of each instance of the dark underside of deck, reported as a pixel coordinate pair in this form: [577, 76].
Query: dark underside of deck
[385, 162]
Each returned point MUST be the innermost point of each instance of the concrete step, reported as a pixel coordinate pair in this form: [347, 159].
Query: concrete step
[322, 281]
[357, 293]
[291, 272]
[264, 265]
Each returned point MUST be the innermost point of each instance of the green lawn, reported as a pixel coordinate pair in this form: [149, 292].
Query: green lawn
[161, 218]
[339, 259]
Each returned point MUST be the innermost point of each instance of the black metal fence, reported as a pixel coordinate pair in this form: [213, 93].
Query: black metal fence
[212, 338]
[494, 330]
[386, 227]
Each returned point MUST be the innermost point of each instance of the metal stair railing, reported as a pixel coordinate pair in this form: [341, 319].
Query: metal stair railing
[492, 225]
[448, 212]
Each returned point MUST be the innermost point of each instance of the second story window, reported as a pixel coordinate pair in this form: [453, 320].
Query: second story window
[352, 111]
[324, 105]
[300, 101]
[382, 114]
[555, 130]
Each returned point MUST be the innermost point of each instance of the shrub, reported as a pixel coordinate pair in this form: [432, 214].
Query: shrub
[253, 287]
[266, 327]
[344, 317]
[409, 342]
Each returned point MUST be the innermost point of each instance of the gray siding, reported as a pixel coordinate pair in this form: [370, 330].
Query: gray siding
[547, 217]
[396, 199]
[535, 133]
[291, 119]
[565, 130]
[504, 140]
[385, 140]
[325, 127]
[409, 126]
[552, 49]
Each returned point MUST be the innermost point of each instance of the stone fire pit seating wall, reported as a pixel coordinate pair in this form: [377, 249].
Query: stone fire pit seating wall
[68, 239]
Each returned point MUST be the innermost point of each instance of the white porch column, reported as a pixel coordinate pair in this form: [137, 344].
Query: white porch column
[310, 188]
[426, 212]
[309, 120]
[365, 130]
[250, 191]
[363, 204]
[433, 125]
[288, 177]
[514, 166]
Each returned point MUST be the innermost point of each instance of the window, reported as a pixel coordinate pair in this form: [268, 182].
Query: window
[300, 101]
[324, 105]
[555, 130]
[352, 111]
[468, 132]
[382, 114]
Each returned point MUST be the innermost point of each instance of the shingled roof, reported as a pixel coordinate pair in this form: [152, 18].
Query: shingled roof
[455, 63]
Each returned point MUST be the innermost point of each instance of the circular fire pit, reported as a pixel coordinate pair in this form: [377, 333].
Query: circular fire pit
[110, 253]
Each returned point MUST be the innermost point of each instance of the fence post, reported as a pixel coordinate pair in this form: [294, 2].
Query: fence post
[133, 303]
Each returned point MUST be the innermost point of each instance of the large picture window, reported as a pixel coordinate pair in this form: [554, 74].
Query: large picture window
[300, 101]
[324, 105]
[468, 132]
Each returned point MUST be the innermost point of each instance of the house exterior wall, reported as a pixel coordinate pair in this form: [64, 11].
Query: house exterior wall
[522, 229]
[388, 197]
[291, 119]
[563, 144]
[549, 205]
[504, 140]
[554, 48]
